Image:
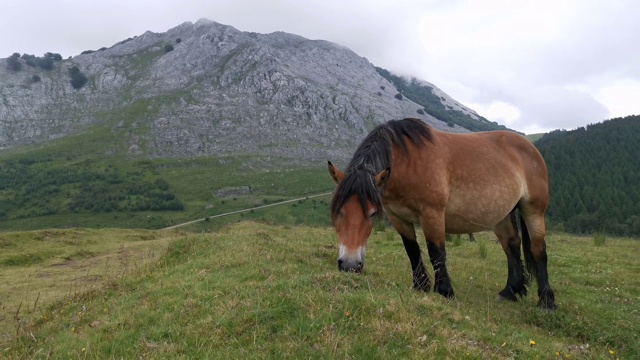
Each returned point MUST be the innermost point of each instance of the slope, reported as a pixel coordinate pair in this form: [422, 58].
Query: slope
[594, 177]
[259, 291]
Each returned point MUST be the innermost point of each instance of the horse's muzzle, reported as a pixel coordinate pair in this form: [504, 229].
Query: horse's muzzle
[350, 265]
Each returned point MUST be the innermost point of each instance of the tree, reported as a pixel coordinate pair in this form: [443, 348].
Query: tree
[14, 62]
[45, 63]
[78, 79]
[168, 48]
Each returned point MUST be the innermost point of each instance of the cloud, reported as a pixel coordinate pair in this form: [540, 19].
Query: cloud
[622, 97]
[502, 112]
[559, 64]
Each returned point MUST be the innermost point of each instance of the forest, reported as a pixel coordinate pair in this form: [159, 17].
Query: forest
[33, 187]
[594, 177]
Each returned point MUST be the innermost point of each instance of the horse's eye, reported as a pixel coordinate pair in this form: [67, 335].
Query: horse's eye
[373, 213]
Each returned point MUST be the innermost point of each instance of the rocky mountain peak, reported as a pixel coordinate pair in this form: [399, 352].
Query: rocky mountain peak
[204, 88]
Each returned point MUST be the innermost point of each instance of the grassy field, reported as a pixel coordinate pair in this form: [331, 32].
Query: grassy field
[254, 290]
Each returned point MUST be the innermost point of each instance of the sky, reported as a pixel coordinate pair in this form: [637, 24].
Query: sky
[534, 66]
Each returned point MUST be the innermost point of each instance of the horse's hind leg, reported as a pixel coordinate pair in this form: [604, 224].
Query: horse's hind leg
[507, 233]
[535, 254]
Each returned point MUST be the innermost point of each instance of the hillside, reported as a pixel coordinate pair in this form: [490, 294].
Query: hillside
[594, 176]
[145, 133]
[253, 290]
[204, 89]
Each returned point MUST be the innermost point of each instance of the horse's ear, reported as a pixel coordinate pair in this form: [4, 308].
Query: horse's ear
[382, 178]
[336, 174]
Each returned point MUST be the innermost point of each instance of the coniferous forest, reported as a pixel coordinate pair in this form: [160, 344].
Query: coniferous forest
[594, 177]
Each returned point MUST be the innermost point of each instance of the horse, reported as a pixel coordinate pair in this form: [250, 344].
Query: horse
[446, 183]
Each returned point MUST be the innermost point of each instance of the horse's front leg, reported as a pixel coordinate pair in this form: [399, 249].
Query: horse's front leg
[438, 257]
[435, 236]
[420, 277]
[408, 234]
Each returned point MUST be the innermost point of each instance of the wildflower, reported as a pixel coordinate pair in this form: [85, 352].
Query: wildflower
[611, 352]
[567, 356]
[557, 353]
[347, 314]
[532, 343]
[84, 349]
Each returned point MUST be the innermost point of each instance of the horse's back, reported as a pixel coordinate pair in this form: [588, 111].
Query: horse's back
[475, 180]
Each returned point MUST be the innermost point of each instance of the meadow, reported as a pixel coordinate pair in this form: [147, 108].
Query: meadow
[257, 290]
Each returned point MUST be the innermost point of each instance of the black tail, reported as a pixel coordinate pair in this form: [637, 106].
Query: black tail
[532, 268]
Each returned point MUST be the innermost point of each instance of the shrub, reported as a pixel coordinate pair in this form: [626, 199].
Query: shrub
[14, 62]
[30, 60]
[45, 63]
[398, 96]
[78, 79]
[53, 56]
[420, 111]
[35, 78]
[168, 48]
[178, 41]
[451, 123]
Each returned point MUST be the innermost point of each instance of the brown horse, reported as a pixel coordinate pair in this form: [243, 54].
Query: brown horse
[446, 183]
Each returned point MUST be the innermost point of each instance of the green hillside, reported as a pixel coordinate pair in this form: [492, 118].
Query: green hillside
[594, 175]
[74, 182]
[253, 290]
[423, 95]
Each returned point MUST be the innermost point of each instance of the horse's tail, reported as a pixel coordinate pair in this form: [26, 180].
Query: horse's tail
[532, 269]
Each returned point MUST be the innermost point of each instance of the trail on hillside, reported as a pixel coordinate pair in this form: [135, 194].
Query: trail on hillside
[244, 210]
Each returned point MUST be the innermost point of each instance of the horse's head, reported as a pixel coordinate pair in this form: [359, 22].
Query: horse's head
[356, 201]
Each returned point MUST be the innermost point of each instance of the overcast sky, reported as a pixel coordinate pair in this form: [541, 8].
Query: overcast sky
[531, 65]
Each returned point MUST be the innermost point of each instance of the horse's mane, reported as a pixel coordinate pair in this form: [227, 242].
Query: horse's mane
[373, 156]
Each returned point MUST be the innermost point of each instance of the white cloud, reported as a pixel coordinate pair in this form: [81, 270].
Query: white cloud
[622, 97]
[502, 112]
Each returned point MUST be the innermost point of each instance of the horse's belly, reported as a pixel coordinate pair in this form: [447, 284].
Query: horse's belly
[477, 213]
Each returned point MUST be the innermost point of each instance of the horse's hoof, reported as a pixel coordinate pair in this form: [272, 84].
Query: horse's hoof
[422, 287]
[547, 307]
[446, 292]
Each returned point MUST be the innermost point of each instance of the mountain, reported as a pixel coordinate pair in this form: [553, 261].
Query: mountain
[594, 172]
[203, 89]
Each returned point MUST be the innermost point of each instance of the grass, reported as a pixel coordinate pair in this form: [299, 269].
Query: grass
[261, 291]
[599, 239]
[42, 267]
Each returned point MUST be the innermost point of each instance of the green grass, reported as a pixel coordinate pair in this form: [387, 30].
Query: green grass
[60, 186]
[535, 137]
[261, 291]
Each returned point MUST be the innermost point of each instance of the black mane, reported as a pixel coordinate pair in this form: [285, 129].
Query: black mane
[373, 156]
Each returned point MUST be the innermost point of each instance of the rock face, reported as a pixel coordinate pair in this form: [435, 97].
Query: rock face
[208, 89]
